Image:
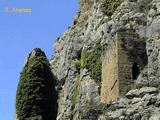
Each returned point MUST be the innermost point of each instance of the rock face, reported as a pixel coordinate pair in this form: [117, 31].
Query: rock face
[77, 89]
[138, 104]
[153, 45]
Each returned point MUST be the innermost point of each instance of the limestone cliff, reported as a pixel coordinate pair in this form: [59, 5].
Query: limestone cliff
[78, 85]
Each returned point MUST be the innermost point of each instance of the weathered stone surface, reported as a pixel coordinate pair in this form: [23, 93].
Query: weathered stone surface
[153, 46]
[147, 90]
[15, 116]
[137, 108]
[132, 93]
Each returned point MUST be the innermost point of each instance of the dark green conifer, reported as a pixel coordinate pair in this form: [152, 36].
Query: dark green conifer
[36, 96]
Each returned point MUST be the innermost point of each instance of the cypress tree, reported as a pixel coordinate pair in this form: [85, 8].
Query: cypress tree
[36, 96]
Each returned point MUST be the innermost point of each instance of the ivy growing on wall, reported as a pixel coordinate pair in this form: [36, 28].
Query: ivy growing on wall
[36, 97]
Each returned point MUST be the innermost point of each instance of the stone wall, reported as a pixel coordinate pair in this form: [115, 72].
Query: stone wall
[124, 65]
[117, 66]
[110, 83]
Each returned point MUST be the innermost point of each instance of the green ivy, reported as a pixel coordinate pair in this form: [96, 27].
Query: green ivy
[109, 6]
[36, 95]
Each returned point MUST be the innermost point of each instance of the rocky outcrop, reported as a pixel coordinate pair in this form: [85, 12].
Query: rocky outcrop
[138, 104]
[153, 45]
[77, 88]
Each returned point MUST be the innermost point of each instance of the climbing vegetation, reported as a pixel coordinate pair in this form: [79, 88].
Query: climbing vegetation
[109, 6]
[91, 60]
[36, 96]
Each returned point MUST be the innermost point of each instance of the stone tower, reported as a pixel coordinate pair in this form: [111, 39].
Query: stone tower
[121, 65]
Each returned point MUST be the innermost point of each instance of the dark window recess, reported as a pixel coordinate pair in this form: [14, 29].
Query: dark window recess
[79, 54]
[74, 22]
[135, 71]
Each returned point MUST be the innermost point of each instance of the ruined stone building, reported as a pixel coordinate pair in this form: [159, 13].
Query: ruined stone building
[121, 65]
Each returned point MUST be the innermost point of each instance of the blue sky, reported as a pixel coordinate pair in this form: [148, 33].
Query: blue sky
[20, 33]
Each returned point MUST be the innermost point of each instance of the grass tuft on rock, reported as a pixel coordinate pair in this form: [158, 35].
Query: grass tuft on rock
[75, 92]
